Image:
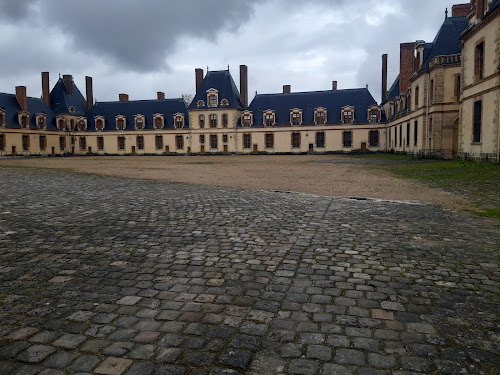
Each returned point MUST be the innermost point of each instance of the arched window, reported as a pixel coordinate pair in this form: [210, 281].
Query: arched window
[269, 118]
[120, 123]
[82, 124]
[99, 124]
[158, 121]
[320, 116]
[139, 122]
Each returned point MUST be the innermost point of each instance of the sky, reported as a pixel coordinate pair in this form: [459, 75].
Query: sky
[139, 47]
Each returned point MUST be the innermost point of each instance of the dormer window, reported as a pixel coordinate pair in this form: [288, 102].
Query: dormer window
[247, 118]
[41, 120]
[179, 120]
[269, 118]
[99, 123]
[212, 97]
[374, 115]
[296, 116]
[61, 123]
[120, 122]
[2, 117]
[224, 102]
[82, 123]
[348, 115]
[320, 116]
[158, 121]
[200, 103]
[23, 119]
[71, 109]
[139, 122]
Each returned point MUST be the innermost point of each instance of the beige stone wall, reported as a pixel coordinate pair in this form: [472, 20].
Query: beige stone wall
[233, 117]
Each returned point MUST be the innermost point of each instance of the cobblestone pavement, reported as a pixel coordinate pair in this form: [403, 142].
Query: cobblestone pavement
[113, 276]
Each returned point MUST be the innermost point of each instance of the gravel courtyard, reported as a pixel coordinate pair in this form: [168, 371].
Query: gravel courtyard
[107, 275]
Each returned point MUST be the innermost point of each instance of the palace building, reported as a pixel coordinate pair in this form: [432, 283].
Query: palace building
[444, 103]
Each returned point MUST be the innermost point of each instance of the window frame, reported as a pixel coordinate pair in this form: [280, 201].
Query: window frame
[320, 139]
[213, 120]
[121, 122]
[296, 139]
[121, 143]
[247, 141]
[139, 122]
[320, 117]
[347, 139]
[82, 121]
[347, 114]
[269, 140]
[225, 120]
[179, 142]
[82, 143]
[2, 142]
[296, 117]
[374, 134]
[42, 141]
[479, 59]
[178, 120]
[246, 118]
[41, 121]
[477, 118]
[102, 121]
[158, 119]
[100, 143]
[62, 143]
[158, 142]
[214, 142]
[26, 142]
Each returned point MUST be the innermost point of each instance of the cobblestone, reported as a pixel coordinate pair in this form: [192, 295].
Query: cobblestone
[114, 276]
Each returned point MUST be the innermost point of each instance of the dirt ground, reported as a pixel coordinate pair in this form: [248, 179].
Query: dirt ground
[313, 174]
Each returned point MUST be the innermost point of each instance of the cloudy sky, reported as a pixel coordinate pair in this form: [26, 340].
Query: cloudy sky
[140, 47]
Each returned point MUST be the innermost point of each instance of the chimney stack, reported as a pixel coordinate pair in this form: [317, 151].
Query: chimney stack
[287, 89]
[244, 85]
[406, 65]
[68, 82]
[45, 88]
[460, 10]
[123, 97]
[22, 98]
[160, 95]
[334, 85]
[384, 77]
[90, 92]
[199, 78]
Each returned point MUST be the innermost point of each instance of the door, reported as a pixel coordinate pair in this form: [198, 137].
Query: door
[13, 150]
[255, 149]
[363, 147]
[167, 150]
[311, 148]
[89, 150]
[133, 150]
[225, 150]
[53, 151]
[202, 151]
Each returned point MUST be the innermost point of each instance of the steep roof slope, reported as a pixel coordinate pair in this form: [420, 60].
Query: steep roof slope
[61, 100]
[9, 103]
[223, 82]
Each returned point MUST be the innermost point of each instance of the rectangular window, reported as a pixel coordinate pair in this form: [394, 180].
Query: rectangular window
[269, 140]
[2, 142]
[374, 138]
[416, 96]
[247, 141]
[224, 138]
[41, 122]
[83, 143]
[26, 142]
[407, 134]
[158, 122]
[2, 119]
[247, 120]
[202, 139]
[320, 139]
[458, 88]
[348, 117]
[320, 118]
[269, 119]
[347, 139]
[415, 133]
[390, 137]
[431, 94]
[212, 100]
[225, 120]
[296, 140]
[62, 143]
[43, 143]
[295, 118]
[479, 61]
[213, 141]
[400, 135]
[202, 121]
[373, 116]
[139, 123]
[100, 143]
[213, 121]
[396, 136]
[179, 142]
[120, 124]
[478, 108]
[121, 143]
[159, 142]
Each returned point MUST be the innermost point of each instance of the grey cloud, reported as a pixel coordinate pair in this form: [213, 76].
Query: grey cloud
[13, 10]
[140, 36]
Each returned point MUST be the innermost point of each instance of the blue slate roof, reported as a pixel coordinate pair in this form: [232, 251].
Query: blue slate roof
[61, 100]
[9, 103]
[493, 6]
[333, 101]
[447, 40]
[147, 108]
[393, 92]
[223, 82]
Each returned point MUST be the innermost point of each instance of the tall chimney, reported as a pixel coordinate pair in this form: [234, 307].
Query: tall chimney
[384, 77]
[244, 85]
[199, 78]
[45, 88]
[22, 98]
[460, 10]
[406, 65]
[287, 89]
[68, 82]
[334, 85]
[123, 97]
[160, 95]
[90, 92]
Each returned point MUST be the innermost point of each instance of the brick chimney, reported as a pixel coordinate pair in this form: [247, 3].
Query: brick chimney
[90, 92]
[123, 97]
[45, 88]
[244, 85]
[406, 65]
[199, 78]
[22, 98]
[68, 82]
[287, 89]
[384, 77]
[160, 95]
[334, 85]
[460, 10]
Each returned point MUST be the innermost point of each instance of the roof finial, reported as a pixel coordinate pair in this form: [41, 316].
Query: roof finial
[446, 13]
[255, 92]
[228, 67]
[207, 68]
